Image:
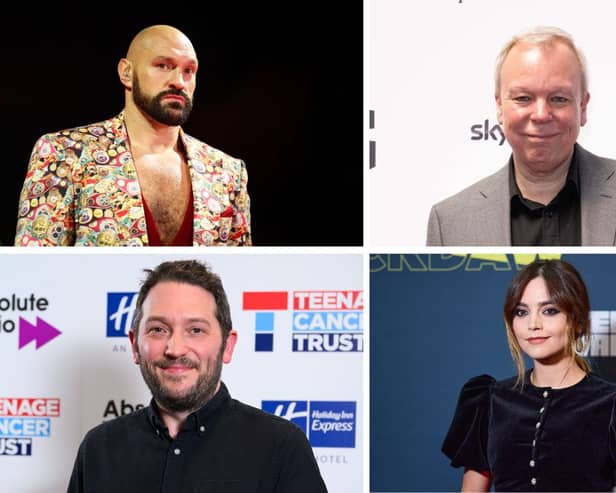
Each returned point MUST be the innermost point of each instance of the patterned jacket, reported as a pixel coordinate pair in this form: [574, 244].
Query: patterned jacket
[81, 189]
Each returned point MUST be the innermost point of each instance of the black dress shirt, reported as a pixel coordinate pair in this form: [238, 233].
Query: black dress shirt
[224, 447]
[555, 224]
[537, 439]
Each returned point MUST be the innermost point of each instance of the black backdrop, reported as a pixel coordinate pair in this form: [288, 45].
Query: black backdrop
[279, 87]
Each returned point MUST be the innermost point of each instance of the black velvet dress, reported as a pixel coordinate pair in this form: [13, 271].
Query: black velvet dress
[537, 439]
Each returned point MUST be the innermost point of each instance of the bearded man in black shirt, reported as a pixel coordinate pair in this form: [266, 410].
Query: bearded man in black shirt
[193, 437]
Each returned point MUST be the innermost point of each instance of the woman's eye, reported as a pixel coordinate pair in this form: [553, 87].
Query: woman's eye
[551, 311]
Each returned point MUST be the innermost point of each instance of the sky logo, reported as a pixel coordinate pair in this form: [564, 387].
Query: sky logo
[265, 303]
[326, 423]
[120, 311]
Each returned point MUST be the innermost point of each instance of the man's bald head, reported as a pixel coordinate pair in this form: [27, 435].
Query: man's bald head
[153, 37]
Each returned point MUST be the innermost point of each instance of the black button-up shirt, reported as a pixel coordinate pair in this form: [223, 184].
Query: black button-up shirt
[555, 224]
[224, 447]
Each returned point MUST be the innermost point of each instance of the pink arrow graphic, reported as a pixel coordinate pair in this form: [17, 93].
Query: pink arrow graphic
[42, 332]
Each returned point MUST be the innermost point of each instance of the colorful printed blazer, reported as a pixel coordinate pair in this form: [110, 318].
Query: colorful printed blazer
[81, 189]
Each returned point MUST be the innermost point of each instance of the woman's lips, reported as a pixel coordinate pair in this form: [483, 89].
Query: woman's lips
[536, 340]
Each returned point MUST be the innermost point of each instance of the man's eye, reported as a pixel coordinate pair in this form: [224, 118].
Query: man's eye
[560, 99]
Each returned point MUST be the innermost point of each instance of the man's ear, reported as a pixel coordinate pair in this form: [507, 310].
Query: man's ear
[229, 346]
[583, 109]
[125, 72]
[133, 344]
[499, 108]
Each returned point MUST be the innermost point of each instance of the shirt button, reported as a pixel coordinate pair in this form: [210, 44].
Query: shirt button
[541, 410]
[545, 393]
[532, 463]
[177, 451]
[533, 481]
[201, 428]
[538, 424]
[534, 442]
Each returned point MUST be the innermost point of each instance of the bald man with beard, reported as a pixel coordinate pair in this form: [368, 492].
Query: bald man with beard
[137, 179]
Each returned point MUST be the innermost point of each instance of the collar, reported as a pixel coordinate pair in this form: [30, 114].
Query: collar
[545, 392]
[573, 175]
[200, 157]
[198, 420]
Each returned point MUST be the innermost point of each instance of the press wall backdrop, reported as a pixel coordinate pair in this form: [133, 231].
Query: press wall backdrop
[436, 321]
[431, 87]
[67, 363]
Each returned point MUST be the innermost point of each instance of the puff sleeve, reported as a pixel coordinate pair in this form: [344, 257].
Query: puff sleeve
[466, 441]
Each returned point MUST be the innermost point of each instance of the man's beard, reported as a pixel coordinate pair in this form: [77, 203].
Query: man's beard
[154, 108]
[191, 399]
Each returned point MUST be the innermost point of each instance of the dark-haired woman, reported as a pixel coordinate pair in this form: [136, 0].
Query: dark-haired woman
[552, 427]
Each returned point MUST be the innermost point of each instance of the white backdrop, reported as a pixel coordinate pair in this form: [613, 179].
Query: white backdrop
[89, 372]
[431, 77]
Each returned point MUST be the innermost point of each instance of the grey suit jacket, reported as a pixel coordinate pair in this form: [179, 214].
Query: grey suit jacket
[480, 214]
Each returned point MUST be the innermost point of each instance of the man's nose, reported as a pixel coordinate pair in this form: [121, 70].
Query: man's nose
[177, 79]
[541, 110]
[176, 345]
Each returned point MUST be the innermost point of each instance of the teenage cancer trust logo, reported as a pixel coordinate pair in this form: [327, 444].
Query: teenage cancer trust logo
[25, 418]
[266, 304]
[321, 321]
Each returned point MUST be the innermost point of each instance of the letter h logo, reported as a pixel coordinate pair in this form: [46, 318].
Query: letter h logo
[120, 311]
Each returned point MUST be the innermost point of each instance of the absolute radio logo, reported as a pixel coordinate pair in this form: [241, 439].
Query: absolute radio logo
[320, 320]
[13, 306]
[25, 418]
[116, 408]
[326, 423]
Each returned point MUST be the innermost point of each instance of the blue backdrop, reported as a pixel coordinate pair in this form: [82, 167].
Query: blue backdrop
[435, 322]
